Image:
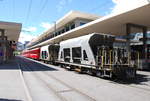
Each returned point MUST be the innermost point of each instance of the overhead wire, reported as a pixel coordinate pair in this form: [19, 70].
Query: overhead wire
[13, 9]
[41, 9]
[28, 11]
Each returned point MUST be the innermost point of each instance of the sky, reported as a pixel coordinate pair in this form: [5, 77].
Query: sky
[37, 16]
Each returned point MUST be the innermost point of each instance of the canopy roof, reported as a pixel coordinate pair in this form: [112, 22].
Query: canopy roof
[12, 30]
[72, 15]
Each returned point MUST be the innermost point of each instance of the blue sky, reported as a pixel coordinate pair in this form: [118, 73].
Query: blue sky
[38, 15]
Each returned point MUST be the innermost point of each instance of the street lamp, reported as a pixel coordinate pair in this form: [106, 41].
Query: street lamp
[54, 28]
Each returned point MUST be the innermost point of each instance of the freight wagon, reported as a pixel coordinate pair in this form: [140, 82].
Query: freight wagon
[98, 54]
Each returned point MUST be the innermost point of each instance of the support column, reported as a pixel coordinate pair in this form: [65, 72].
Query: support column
[128, 31]
[144, 30]
[145, 42]
[2, 45]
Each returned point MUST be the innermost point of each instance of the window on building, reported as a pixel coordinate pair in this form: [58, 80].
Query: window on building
[82, 23]
[55, 34]
[72, 26]
[59, 32]
[67, 28]
[63, 30]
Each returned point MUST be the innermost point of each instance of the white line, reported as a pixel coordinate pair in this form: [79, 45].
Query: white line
[25, 86]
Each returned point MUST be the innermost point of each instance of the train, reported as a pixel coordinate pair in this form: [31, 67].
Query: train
[33, 54]
[97, 54]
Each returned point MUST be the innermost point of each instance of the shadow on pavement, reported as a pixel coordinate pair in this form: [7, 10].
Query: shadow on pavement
[140, 78]
[25, 64]
[1, 99]
[28, 65]
[10, 65]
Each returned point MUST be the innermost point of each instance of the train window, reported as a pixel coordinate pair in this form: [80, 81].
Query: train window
[85, 55]
[42, 54]
[46, 55]
[76, 54]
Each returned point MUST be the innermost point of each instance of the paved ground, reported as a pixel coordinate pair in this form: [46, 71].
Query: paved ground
[57, 84]
[11, 85]
[45, 82]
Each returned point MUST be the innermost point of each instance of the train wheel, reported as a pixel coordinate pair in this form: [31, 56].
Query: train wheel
[99, 74]
[89, 71]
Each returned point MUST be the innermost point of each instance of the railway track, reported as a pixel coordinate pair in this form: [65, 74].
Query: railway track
[59, 94]
[123, 83]
[65, 94]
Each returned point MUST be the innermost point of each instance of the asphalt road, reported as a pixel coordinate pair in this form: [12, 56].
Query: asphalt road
[45, 82]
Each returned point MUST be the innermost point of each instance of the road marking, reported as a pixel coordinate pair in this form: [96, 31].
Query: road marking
[24, 84]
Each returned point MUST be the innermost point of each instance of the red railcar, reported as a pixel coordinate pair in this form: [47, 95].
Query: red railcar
[33, 54]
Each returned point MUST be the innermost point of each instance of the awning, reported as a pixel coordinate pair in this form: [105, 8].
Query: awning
[114, 24]
[12, 30]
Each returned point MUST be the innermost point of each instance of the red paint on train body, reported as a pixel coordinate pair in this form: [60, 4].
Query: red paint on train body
[33, 54]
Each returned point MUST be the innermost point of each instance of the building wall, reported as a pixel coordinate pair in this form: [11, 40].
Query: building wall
[67, 27]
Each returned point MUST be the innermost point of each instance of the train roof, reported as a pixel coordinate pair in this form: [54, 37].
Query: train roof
[79, 41]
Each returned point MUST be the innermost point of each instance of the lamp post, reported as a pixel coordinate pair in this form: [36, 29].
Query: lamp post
[54, 28]
[2, 45]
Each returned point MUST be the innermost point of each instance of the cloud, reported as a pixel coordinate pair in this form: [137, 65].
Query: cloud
[24, 36]
[62, 4]
[30, 29]
[27, 34]
[46, 25]
[126, 5]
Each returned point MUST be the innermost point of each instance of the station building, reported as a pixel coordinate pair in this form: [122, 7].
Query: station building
[67, 23]
[9, 34]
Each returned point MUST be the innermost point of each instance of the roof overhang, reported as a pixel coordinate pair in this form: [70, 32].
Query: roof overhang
[114, 24]
[12, 30]
[72, 15]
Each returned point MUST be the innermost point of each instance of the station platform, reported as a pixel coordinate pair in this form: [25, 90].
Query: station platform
[11, 83]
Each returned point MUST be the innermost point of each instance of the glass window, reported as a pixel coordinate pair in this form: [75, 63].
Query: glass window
[63, 30]
[82, 23]
[59, 32]
[72, 26]
[67, 28]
